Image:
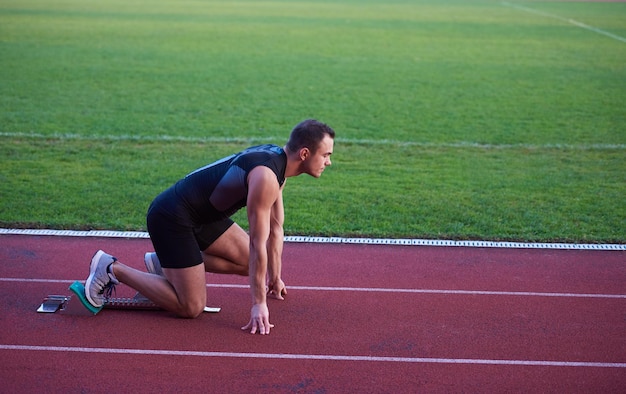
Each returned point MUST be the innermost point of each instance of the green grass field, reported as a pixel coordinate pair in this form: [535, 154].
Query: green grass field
[456, 119]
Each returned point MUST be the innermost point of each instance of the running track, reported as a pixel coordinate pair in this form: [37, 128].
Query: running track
[358, 318]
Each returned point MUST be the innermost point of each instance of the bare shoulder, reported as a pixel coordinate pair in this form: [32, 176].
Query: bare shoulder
[262, 175]
[263, 186]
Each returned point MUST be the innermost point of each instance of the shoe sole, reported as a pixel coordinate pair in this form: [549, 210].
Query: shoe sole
[92, 272]
[147, 259]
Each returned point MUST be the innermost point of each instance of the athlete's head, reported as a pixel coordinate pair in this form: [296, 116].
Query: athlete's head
[311, 143]
[308, 134]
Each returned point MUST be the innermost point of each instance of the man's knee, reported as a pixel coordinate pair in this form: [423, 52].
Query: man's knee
[190, 288]
[191, 310]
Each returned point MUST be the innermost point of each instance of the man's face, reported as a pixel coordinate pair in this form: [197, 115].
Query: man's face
[317, 161]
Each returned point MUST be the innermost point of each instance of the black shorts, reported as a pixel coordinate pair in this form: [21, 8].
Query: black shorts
[177, 241]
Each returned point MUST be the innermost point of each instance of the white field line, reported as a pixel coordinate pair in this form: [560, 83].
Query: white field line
[320, 357]
[275, 139]
[563, 19]
[374, 290]
[335, 240]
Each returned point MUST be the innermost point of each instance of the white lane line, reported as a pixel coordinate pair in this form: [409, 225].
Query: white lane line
[375, 290]
[322, 357]
[458, 292]
[335, 240]
[439, 291]
[567, 20]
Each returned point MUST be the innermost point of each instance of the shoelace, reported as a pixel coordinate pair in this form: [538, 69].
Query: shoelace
[108, 290]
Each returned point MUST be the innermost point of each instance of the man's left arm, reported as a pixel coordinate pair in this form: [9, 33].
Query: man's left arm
[276, 286]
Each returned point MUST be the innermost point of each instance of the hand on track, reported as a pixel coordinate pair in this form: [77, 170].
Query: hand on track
[277, 290]
[259, 320]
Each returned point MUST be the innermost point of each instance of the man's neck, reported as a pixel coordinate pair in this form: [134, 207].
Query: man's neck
[293, 164]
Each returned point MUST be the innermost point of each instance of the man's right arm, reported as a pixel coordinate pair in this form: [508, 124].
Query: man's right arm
[263, 190]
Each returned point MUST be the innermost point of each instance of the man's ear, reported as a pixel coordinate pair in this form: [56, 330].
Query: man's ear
[304, 153]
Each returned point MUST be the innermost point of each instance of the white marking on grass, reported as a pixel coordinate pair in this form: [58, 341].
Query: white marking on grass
[347, 141]
[373, 290]
[319, 357]
[335, 240]
[141, 138]
[567, 20]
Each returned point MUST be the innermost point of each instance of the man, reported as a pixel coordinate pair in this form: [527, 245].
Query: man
[192, 233]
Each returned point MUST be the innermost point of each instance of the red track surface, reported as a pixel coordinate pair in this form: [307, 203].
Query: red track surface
[343, 327]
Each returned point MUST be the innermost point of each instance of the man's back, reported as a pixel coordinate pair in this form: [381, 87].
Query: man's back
[220, 188]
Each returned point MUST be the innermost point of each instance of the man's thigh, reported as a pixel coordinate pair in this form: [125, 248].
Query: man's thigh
[233, 245]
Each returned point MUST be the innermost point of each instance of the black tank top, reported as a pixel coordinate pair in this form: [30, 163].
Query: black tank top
[221, 188]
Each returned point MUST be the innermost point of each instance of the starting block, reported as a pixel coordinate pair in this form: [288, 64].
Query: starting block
[77, 304]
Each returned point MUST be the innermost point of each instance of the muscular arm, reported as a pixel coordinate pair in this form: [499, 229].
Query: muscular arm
[275, 248]
[263, 191]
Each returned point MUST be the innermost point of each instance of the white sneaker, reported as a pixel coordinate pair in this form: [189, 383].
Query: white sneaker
[153, 265]
[100, 282]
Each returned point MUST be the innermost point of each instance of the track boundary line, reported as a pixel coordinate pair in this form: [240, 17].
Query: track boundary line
[336, 240]
[374, 289]
[322, 357]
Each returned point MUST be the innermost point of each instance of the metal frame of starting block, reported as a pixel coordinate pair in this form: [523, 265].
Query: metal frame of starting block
[77, 304]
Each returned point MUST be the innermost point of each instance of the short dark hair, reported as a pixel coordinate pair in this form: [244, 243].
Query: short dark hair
[308, 134]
